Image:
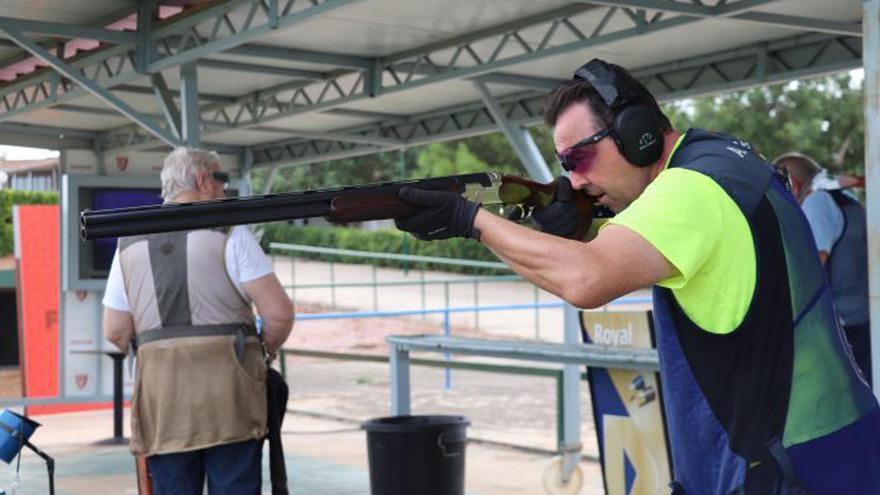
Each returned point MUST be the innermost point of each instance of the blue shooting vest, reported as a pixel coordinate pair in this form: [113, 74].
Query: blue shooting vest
[776, 406]
[847, 264]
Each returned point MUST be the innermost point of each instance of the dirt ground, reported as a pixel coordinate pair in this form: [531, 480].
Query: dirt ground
[509, 409]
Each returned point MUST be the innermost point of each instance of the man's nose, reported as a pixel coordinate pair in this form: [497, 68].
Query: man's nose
[578, 181]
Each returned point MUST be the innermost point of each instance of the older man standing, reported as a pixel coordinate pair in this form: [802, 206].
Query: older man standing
[184, 300]
[839, 225]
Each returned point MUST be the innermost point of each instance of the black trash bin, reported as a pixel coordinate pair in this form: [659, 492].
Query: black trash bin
[416, 455]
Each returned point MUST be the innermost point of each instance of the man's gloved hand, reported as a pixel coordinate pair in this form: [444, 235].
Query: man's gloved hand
[440, 215]
[561, 216]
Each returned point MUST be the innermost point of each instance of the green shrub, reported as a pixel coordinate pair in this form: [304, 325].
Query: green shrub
[8, 198]
[380, 241]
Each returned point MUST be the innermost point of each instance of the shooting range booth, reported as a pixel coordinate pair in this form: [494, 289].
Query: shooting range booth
[270, 84]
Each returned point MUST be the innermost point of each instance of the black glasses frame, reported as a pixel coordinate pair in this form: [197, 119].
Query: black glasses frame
[221, 177]
[563, 157]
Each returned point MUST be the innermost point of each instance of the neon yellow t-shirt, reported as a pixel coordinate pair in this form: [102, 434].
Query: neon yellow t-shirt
[689, 218]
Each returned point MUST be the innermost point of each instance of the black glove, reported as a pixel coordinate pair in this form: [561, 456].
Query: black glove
[561, 216]
[440, 215]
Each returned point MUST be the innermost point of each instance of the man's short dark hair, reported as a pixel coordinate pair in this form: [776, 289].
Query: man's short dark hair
[577, 90]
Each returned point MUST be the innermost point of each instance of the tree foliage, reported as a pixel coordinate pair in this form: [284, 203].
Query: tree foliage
[820, 117]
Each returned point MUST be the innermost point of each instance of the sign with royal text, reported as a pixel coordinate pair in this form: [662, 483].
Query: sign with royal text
[627, 409]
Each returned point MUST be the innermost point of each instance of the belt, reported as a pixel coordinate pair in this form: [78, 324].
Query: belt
[240, 330]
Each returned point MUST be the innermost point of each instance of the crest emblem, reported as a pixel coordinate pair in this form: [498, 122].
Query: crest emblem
[82, 294]
[81, 379]
[121, 162]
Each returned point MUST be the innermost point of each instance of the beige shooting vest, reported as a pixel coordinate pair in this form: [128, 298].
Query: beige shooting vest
[201, 382]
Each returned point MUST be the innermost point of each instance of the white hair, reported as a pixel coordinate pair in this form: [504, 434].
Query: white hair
[180, 169]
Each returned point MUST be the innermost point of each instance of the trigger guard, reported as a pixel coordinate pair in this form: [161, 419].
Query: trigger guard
[516, 213]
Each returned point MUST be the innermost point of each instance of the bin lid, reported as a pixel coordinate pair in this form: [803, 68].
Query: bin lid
[408, 424]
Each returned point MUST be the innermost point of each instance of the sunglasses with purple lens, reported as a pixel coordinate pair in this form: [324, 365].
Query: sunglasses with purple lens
[570, 158]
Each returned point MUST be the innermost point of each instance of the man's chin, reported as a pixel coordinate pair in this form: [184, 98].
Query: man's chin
[615, 206]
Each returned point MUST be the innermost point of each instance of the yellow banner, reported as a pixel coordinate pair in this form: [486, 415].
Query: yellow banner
[627, 409]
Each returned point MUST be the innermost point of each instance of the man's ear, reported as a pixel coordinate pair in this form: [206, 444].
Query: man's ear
[202, 180]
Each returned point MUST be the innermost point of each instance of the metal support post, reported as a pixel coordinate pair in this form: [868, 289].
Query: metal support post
[189, 105]
[519, 137]
[146, 49]
[166, 102]
[400, 397]
[871, 58]
[571, 399]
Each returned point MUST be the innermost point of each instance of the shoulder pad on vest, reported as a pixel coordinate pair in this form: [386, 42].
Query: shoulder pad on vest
[728, 161]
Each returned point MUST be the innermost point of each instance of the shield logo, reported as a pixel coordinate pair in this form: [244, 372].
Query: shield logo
[121, 162]
[82, 294]
[81, 379]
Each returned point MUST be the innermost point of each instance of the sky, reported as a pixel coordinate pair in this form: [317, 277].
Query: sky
[22, 153]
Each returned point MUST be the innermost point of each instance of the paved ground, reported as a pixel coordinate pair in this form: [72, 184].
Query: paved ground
[10, 381]
[324, 457]
[326, 452]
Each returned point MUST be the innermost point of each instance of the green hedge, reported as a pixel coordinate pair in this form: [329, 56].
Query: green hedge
[380, 241]
[8, 198]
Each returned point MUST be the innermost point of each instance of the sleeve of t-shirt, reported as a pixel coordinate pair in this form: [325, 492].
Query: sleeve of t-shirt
[114, 292]
[679, 214]
[245, 259]
[825, 219]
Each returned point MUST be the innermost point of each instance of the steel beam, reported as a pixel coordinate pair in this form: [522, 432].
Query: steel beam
[166, 102]
[45, 136]
[728, 70]
[271, 70]
[518, 136]
[531, 82]
[177, 41]
[334, 136]
[734, 10]
[191, 132]
[68, 31]
[225, 34]
[871, 16]
[140, 90]
[92, 87]
[146, 50]
[297, 55]
[472, 56]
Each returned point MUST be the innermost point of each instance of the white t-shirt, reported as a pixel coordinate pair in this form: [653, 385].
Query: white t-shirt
[245, 261]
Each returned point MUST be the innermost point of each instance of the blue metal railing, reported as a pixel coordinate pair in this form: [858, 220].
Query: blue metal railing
[447, 327]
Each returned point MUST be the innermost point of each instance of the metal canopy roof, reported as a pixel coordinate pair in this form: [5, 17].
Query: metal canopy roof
[282, 82]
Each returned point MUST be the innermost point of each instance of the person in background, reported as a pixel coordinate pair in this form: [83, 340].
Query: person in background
[839, 225]
[184, 300]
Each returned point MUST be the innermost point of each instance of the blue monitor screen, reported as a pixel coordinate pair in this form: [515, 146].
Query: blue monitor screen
[104, 198]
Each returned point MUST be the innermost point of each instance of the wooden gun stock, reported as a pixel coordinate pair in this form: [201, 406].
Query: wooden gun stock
[372, 206]
[144, 482]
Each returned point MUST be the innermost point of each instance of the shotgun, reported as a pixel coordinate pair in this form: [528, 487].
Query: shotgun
[515, 196]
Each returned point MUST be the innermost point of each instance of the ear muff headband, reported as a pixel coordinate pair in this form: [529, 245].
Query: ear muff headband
[634, 128]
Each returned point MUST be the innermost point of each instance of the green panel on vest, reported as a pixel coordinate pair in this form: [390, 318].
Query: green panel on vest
[7, 279]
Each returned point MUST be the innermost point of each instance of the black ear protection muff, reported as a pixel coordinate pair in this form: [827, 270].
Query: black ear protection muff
[634, 127]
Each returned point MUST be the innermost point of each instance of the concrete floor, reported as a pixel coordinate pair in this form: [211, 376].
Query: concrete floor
[324, 457]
